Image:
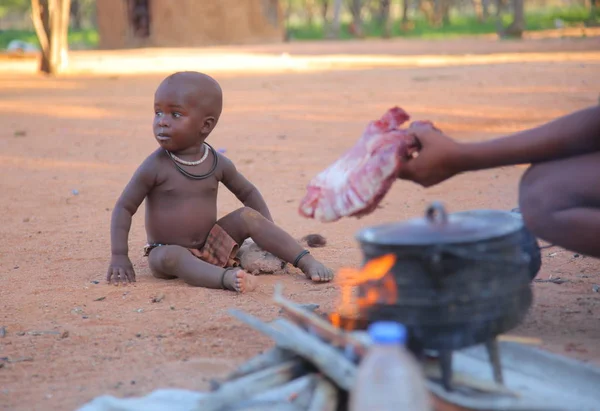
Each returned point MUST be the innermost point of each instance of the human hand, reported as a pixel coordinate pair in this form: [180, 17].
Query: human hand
[120, 270]
[437, 159]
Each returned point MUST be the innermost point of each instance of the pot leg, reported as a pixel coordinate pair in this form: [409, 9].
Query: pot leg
[446, 366]
[494, 353]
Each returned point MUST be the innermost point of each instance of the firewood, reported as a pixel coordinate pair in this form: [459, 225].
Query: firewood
[316, 324]
[269, 358]
[234, 391]
[297, 392]
[325, 397]
[291, 337]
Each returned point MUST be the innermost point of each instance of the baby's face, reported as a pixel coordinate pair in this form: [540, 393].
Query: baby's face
[177, 117]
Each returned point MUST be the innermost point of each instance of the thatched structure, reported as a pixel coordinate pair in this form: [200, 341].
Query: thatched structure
[188, 23]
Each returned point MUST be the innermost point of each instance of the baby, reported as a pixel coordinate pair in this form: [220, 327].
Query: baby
[179, 182]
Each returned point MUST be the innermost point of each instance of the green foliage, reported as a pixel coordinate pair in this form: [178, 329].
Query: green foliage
[460, 25]
[18, 6]
[77, 38]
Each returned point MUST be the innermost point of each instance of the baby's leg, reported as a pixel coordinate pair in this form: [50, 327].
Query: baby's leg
[246, 222]
[170, 261]
[560, 202]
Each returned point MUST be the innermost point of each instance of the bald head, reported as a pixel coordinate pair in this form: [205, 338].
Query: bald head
[198, 90]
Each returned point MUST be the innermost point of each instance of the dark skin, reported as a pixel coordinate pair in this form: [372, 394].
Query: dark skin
[181, 211]
[559, 195]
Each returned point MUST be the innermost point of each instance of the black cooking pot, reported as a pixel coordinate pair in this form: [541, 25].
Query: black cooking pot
[462, 278]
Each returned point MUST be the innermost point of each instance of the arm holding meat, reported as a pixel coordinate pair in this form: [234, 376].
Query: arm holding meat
[441, 157]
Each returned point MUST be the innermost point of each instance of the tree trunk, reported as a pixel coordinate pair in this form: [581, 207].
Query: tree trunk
[499, 24]
[309, 10]
[75, 14]
[478, 6]
[356, 28]
[486, 9]
[405, 11]
[334, 30]
[324, 10]
[593, 11]
[517, 27]
[385, 20]
[51, 21]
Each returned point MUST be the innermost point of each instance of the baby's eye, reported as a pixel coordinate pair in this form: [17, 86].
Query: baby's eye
[176, 115]
[157, 113]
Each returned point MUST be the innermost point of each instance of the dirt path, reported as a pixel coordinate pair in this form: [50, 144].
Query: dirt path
[69, 145]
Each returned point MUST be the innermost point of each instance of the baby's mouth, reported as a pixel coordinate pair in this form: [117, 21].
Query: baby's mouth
[163, 137]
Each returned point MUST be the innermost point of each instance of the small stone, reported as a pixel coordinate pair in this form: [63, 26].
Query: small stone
[16, 267]
[21, 333]
[95, 282]
[132, 382]
[65, 334]
[2, 332]
[172, 307]
[26, 220]
[20, 133]
[100, 298]
[576, 255]
[107, 209]
[140, 310]
[138, 335]
[85, 317]
[596, 288]
[75, 192]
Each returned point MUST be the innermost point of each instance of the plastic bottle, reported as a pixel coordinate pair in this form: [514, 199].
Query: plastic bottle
[389, 376]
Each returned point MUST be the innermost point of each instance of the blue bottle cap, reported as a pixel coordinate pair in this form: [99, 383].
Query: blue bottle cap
[387, 332]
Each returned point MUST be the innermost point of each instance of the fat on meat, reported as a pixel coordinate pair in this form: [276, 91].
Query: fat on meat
[356, 182]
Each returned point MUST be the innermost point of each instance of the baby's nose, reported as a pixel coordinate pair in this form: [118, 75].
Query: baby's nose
[162, 121]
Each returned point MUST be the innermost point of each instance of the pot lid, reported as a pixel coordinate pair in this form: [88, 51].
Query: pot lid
[439, 227]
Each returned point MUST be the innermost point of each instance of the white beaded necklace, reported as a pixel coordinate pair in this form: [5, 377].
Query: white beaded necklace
[191, 163]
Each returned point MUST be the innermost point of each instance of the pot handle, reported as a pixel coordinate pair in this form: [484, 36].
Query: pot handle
[436, 213]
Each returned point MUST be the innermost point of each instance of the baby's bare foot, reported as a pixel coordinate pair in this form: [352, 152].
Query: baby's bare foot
[240, 281]
[315, 270]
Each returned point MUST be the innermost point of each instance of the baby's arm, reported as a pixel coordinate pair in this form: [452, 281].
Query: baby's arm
[243, 189]
[139, 186]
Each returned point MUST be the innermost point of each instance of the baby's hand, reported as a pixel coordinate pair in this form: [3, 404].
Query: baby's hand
[120, 270]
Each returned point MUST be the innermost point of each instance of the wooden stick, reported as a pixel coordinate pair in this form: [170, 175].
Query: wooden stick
[325, 397]
[316, 324]
[291, 337]
[288, 393]
[269, 358]
[234, 391]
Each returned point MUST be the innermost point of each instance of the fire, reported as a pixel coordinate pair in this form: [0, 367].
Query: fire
[379, 287]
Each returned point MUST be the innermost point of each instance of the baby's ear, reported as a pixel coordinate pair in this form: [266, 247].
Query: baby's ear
[208, 125]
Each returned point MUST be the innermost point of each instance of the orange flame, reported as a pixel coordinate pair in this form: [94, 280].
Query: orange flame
[378, 284]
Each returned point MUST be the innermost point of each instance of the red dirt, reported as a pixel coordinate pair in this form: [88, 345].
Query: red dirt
[88, 132]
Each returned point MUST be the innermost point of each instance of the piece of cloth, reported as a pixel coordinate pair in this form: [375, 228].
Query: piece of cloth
[219, 249]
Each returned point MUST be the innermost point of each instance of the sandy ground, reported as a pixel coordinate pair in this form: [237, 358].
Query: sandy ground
[69, 145]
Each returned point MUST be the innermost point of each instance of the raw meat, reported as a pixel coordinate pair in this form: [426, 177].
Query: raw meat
[356, 183]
